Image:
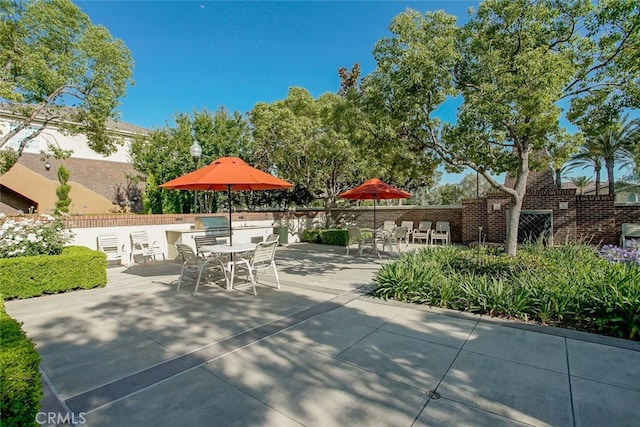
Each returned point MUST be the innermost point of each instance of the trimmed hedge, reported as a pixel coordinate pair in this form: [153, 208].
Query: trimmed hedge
[76, 268]
[21, 389]
[335, 237]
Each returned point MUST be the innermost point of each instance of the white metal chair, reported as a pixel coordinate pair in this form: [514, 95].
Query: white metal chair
[388, 225]
[192, 263]
[262, 258]
[394, 238]
[355, 238]
[140, 245]
[108, 243]
[206, 240]
[423, 232]
[409, 226]
[441, 233]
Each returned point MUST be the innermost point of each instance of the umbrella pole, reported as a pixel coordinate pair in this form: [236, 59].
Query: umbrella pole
[230, 227]
[374, 211]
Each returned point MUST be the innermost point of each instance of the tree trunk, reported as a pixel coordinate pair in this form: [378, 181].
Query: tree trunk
[597, 181]
[520, 188]
[609, 166]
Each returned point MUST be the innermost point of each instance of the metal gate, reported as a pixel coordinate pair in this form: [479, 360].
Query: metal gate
[536, 225]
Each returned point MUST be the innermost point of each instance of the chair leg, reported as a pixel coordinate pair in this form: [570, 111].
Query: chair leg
[275, 273]
[180, 279]
[198, 280]
[253, 280]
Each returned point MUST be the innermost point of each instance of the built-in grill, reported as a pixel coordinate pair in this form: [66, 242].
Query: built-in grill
[217, 226]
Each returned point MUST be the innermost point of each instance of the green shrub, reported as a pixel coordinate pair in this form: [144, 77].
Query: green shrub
[568, 285]
[311, 236]
[336, 237]
[76, 268]
[21, 389]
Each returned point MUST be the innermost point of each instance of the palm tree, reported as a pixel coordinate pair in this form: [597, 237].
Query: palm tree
[615, 145]
[588, 156]
[581, 182]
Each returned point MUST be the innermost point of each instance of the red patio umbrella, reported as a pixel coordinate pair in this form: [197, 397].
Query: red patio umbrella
[227, 174]
[375, 189]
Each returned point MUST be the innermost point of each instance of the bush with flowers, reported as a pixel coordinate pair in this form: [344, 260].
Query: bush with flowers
[629, 254]
[28, 236]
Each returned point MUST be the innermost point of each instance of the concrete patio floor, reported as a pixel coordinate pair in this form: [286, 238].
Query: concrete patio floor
[318, 352]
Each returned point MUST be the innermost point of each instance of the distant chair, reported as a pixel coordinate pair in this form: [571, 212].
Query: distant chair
[140, 245]
[409, 226]
[398, 235]
[441, 233]
[108, 243]
[423, 232]
[205, 240]
[354, 238]
[262, 259]
[388, 225]
[192, 263]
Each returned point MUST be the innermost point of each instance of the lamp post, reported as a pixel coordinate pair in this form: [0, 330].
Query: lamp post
[196, 152]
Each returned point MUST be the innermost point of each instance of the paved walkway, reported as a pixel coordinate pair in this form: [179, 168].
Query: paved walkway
[318, 352]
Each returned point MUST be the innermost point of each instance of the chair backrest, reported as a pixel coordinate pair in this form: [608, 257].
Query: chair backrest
[108, 242]
[272, 238]
[264, 253]
[354, 234]
[424, 226]
[388, 225]
[400, 232]
[187, 254]
[139, 238]
[407, 224]
[206, 240]
[443, 227]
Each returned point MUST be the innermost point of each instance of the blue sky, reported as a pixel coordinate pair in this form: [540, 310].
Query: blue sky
[191, 55]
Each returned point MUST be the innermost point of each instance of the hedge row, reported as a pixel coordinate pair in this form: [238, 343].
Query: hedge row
[21, 389]
[336, 237]
[76, 268]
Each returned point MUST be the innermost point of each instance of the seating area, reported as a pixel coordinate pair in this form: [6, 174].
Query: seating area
[197, 265]
[109, 244]
[141, 245]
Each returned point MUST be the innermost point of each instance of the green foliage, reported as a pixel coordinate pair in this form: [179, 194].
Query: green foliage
[568, 285]
[42, 235]
[311, 236]
[21, 389]
[334, 237]
[63, 202]
[512, 67]
[75, 268]
[164, 155]
[54, 64]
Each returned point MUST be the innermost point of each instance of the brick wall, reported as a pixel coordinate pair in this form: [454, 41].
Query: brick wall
[596, 219]
[474, 216]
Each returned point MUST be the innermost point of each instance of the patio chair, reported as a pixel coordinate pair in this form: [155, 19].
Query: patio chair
[395, 237]
[262, 259]
[423, 232]
[409, 227]
[192, 263]
[108, 243]
[441, 233]
[388, 225]
[140, 245]
[206, 240]
[355, 238]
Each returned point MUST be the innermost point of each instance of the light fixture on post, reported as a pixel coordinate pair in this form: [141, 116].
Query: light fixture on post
[196, 152]
[47, 166]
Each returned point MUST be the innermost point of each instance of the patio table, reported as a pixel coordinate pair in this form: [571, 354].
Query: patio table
[378, 235]
[231, 250]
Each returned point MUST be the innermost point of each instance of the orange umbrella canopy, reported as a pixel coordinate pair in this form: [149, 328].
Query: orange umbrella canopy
[375, 189]
[227, 173]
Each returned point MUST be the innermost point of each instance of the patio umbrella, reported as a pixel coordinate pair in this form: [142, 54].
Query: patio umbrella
[227, 174]
[375, 189]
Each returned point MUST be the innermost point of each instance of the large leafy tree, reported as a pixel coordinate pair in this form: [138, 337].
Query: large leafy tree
[56, 67]
[512, 68]
[164, 155]
[308, 142]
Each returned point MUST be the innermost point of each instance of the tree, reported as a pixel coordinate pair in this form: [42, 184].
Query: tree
[615, 144]
[308, 143]
[63, 202]
[588, 156]
[581, 182]
[56, 67]
[510, 68]
[164, 155]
